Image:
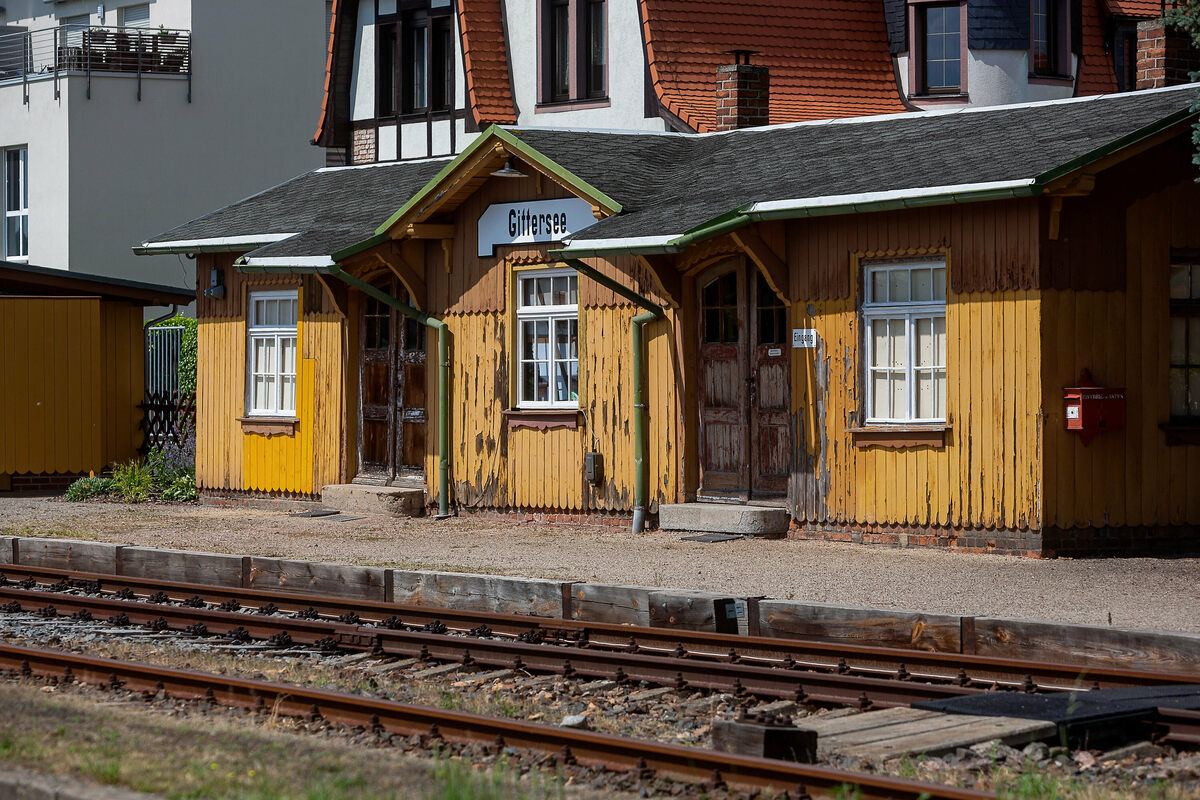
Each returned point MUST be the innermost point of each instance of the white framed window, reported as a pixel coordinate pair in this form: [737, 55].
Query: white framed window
[72, 30]
[904, 326]
[548, 339]
[136, 16]
[271, 354]
[14, 180]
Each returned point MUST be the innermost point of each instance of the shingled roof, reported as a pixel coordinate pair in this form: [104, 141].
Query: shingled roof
[1139, 9]
[826, 60]
[673, 188]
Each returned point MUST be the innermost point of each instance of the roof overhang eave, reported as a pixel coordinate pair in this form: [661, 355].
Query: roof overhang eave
[634, 245]
[288, 265]
[215, 244]
[892, 200]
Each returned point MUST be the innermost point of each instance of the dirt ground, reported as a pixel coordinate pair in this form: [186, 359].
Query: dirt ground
[1133, 593]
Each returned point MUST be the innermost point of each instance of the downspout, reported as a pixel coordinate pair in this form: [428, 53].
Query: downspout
[641, 465]
[443, 337]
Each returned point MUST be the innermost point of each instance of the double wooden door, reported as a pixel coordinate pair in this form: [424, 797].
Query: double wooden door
[391, 391]
[743, 389]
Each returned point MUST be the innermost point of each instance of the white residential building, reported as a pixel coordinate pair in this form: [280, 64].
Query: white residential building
[122, 117]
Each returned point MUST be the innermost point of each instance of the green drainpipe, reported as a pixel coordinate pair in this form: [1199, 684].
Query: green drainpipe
[443, 337]
[641, 464]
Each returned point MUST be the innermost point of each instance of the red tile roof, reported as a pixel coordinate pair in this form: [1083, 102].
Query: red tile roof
[485, 61]
[826, 59]
[1142, 9]
[1096, 72]
[325, 126]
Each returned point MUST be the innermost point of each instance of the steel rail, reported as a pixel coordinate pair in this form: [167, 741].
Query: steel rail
[960, 668]
[1178, 726]
[480, 650]
[569, 745]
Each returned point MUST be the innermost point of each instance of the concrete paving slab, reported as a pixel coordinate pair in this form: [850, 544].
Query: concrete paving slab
[747, 520]
[395, 501]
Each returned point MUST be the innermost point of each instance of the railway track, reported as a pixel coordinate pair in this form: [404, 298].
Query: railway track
[822, 672]
[567, 745]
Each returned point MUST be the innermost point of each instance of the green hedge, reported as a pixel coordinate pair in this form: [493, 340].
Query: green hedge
[187, 352]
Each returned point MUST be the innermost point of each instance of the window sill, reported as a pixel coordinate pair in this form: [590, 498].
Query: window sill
[572, 105]
[269, 426]
[935, 99]
[897, 437]
[542, 418]
[1051, 80]
[1179, 434]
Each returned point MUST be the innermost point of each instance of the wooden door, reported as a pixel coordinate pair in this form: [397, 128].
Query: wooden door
[375, 392]
[392, 415]
[770, 395]
[744, 391]
[722, 388]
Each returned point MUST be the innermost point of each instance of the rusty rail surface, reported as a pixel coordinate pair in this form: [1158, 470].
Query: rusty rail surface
[1178, 726]
[812, 657]
[585, 747]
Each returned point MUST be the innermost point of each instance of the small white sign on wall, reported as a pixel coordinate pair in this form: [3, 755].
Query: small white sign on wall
[533, 221]
[804, 338]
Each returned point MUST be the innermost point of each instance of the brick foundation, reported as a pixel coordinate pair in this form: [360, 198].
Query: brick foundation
[43, 483]
[362, 148]
[552, 517]
[277, 501]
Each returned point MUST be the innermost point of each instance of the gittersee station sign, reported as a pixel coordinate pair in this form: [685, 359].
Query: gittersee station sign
[532, 221]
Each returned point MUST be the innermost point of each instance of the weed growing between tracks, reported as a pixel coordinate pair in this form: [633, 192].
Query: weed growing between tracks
[68, 732]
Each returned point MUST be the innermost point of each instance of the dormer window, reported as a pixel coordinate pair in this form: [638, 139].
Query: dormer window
[1049, 42]
[414, 69]
[573, 51]
[937, 48]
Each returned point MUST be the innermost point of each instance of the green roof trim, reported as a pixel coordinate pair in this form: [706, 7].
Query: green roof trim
[355, 249]
[1116, 145]
[526, 152]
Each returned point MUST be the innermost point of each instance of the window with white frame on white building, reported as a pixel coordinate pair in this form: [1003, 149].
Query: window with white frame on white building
[14, 178]
[904, 322]
[271, 354]
[548, 339]
[72, 30]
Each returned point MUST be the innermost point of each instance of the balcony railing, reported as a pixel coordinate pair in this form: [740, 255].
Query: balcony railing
[53, 52]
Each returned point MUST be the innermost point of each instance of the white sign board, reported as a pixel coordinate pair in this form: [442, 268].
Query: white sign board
[533, 221]
[805, 338]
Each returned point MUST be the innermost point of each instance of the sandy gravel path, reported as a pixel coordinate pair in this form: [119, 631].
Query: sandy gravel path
[1136, 592]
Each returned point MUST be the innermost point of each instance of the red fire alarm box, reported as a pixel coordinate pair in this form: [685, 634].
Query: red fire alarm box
[1093, 409]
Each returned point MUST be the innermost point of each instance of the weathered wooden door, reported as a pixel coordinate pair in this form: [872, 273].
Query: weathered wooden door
[392, 416]
[724, 431]
[744, 393]
[770, 395]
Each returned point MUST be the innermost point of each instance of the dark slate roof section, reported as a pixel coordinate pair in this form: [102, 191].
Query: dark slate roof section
[330, 208]
[895, 15]
[670, 184]
[998, 24]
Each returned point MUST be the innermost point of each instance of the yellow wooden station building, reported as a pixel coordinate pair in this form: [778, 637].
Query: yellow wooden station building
[977, 329]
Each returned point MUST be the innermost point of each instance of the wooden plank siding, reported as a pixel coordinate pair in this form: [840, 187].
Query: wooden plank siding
[73, 372]
[988, 474]
[230, 459]
[1129, 477]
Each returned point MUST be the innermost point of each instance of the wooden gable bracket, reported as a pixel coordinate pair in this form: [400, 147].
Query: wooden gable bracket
[336, 291]
[1079, 184]
[392, 257]
[668, 282]
[774, 268]
[429, 230]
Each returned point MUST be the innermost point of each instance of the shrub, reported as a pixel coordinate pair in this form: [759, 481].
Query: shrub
[87, 488]
[187, 351]
[183, 490]
[170, 462]
[132, 481]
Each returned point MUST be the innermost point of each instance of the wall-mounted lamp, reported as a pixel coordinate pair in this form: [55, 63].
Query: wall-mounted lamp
[509, 171]
[216, 285]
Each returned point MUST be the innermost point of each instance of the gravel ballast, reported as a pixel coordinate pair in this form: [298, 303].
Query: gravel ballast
[1133, 593]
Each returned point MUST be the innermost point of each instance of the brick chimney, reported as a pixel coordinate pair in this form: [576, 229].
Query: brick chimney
[1164, 57]
[743, 93]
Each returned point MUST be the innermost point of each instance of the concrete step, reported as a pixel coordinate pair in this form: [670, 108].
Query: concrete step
[396, 501]
[748, 520]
